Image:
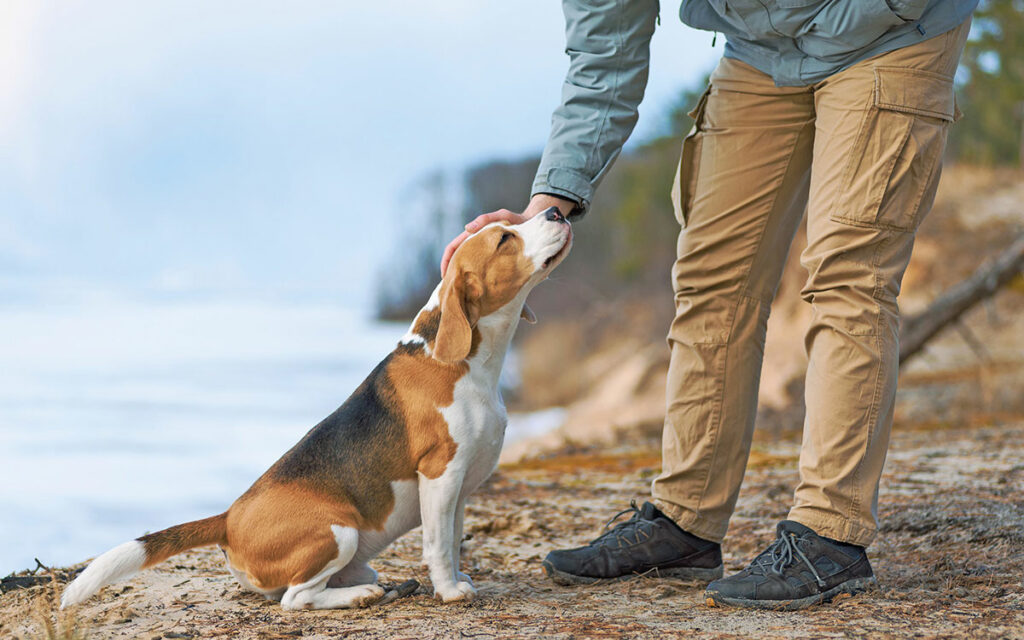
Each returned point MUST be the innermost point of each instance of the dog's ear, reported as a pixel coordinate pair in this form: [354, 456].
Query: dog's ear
[528, 314]
[460, 309]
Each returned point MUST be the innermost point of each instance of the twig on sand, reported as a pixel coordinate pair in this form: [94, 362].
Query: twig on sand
[402, 590]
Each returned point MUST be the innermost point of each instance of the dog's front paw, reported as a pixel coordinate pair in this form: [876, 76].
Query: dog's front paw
[461, 591]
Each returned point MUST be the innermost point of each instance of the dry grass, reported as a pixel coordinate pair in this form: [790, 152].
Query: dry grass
[50, 622]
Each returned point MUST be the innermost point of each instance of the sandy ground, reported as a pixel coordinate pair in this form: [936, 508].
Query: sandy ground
[950, 561]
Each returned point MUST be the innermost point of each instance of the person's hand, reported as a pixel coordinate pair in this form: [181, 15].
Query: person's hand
[538, 203]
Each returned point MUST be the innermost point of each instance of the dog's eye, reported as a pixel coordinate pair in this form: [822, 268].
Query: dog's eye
[505, 236]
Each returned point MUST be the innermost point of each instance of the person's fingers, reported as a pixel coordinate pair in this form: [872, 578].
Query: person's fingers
[481, 221]
[478, 223]
[502, 215]
[446, 257]
[449, 251]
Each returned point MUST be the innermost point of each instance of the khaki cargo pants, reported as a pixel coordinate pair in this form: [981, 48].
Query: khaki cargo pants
[862, 151]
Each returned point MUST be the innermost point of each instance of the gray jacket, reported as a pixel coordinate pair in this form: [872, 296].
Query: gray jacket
[797, 42]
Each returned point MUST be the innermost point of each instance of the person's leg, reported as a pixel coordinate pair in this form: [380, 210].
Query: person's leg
[881, 129]
[740, 195]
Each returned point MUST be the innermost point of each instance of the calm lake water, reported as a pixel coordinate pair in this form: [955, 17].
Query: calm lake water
[118, 418]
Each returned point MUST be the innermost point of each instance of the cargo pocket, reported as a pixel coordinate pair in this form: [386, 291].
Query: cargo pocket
[894, 163]
[686, 172]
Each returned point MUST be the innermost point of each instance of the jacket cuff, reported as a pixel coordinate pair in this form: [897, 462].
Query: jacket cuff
[565, 183]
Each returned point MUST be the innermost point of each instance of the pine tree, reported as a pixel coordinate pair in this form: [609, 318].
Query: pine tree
[991, 87]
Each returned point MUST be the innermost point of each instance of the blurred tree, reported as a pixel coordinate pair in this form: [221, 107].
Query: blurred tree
[405, 282]
[498, 184]
[637, 196]
[991, 87]
[679, 119]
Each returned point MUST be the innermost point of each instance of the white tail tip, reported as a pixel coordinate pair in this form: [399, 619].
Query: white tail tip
[119, 563]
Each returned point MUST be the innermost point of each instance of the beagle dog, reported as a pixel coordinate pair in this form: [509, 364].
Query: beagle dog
[409, 445]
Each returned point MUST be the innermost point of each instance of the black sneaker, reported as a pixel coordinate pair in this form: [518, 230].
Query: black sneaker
[798, 570]
[647, 543]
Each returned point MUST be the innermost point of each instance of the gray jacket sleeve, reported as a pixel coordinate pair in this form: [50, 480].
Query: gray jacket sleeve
[608, 43]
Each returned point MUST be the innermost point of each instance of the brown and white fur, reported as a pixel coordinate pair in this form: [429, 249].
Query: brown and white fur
[407, 447]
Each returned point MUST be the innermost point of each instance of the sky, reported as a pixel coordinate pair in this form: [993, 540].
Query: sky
[256, 149]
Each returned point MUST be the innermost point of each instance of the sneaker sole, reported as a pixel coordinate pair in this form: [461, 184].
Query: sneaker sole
[850, 587]
[690, 574]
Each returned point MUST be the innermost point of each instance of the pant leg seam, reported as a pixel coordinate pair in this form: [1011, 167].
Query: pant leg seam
[855, 503]
[717, 415]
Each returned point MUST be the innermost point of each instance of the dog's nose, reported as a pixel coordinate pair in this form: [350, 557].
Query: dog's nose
[554, 215]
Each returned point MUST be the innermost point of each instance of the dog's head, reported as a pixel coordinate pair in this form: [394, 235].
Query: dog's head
[491, 274]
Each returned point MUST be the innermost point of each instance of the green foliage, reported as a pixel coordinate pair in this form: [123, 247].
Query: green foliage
[991, 87]
[640, 208]
[642, 211]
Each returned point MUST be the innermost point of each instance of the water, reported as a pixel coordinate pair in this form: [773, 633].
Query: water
[119, 417]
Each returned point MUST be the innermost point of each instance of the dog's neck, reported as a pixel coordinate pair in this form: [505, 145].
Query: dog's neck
[495, 330]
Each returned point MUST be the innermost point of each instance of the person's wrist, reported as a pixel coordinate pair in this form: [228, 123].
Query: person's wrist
[544, 201]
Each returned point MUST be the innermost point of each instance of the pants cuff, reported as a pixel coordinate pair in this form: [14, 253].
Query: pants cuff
[693, 523]
[834, 527]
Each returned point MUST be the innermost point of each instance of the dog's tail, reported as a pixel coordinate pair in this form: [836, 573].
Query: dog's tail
[125, 560]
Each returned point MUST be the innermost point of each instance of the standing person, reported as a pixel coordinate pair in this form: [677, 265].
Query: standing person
[840, 107]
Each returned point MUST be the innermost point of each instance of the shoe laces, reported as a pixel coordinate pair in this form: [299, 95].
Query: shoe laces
[631, 531]
[781, 554]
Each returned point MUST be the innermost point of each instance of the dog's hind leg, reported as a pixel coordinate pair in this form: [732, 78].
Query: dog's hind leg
[315, 594]
[243, 581]
[355, 573]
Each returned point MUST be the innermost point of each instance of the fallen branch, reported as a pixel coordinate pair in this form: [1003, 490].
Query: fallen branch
[32, 578]
[989, 278]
